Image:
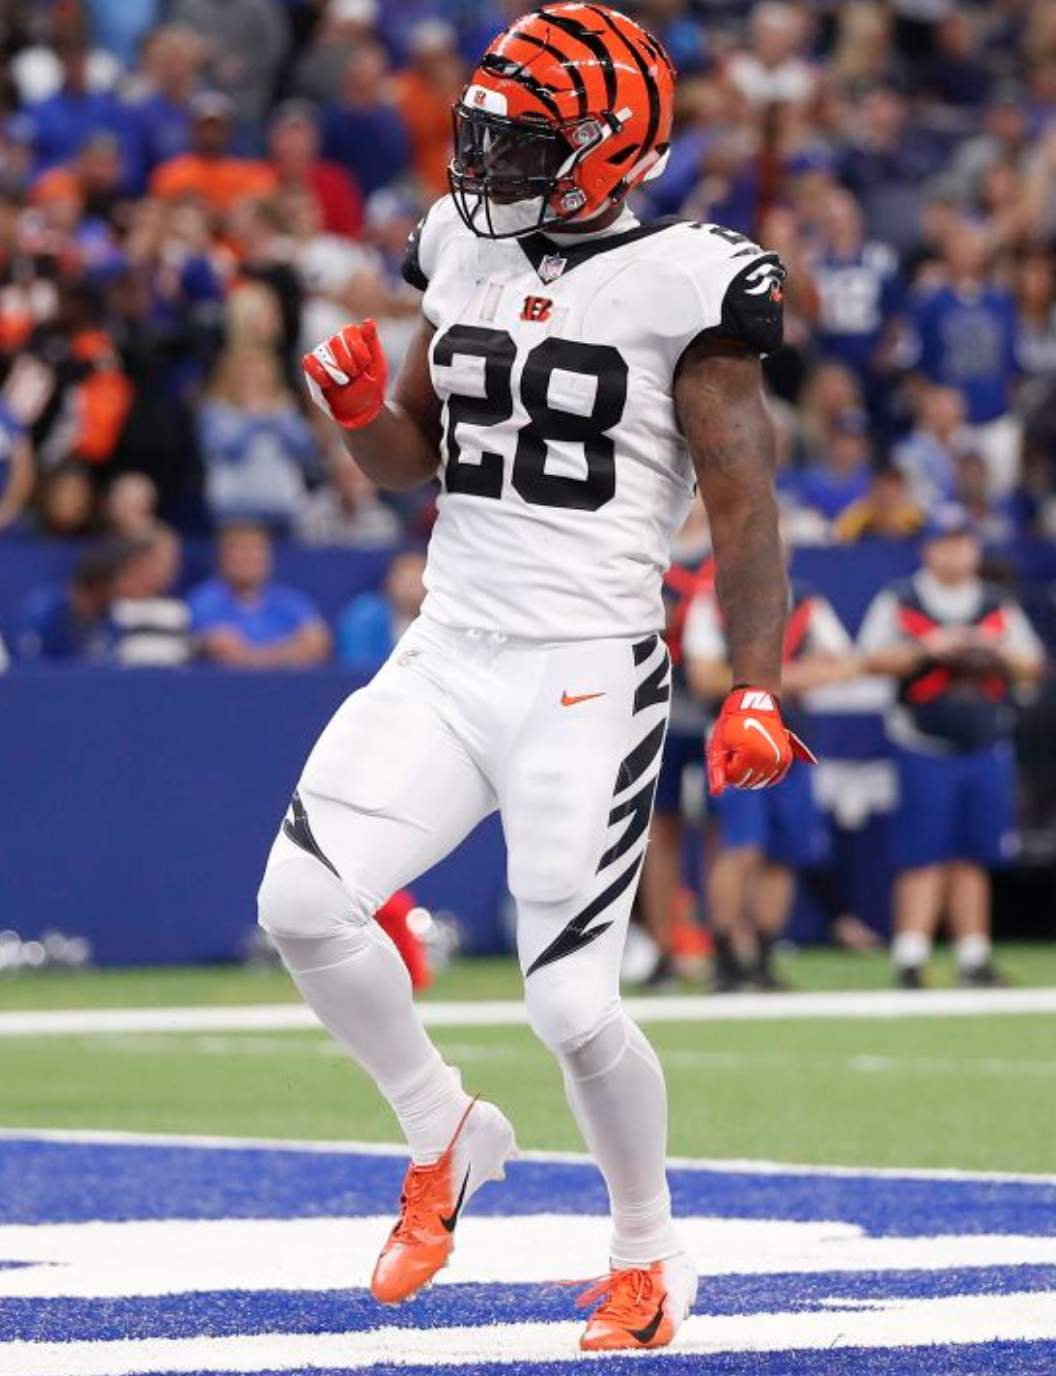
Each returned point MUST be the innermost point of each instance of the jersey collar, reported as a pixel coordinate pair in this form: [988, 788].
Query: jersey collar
[552, 259]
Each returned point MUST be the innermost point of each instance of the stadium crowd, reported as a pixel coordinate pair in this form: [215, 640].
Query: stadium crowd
[193, 192]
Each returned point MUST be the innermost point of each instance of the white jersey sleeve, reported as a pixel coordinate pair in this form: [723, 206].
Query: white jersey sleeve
[709, 280]
[435, 234]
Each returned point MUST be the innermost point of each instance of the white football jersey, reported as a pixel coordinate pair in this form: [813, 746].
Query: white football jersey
[564, 473]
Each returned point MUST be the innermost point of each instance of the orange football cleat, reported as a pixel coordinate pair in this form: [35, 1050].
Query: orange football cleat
[433, 1198]
[640, 1306]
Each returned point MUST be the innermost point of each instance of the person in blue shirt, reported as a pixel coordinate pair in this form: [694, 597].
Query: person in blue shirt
[842, 474]
[372, 623]
[363, 131]
[965, 329]
[859, 289]
[963, 335]
[63, 123]
[172, 62]
[71, 621]
[243, 620]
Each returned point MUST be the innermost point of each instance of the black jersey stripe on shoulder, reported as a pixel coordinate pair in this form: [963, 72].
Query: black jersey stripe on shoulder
[538, 246]
[411, 267]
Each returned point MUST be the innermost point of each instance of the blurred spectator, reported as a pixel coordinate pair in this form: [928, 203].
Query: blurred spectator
[956, 73]
[346, 510]
[841, 475]
[72, 622]
[991, 517]
[858, 286]
[1035, 284]
[247, 42]
[243, 620]
[68, 385]
[373, 622]
[343, 26]
[16, 469]
[886, 512]
[172, 61]
[209, 169]
[362, 129]
[151, 627]
[929, 453]
[294, 147]
[256, 445]
[832, 390]
[886, 167]
[425, 93]
[956, 648]
[130, 506]
[62, 122]
[66, 501]
[766, 836]
[773, 70]
[965, 337]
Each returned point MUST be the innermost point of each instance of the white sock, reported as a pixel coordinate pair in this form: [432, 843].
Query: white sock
[359, 989]
[615, 1087]
[910, 950]
[972, 950]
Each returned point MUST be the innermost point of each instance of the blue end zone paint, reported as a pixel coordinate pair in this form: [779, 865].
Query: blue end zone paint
[994, 1359]
[75, 1182]
[228, 1313]
[52, 1182]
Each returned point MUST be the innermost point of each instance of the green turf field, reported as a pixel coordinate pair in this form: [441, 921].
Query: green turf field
[975, 1092]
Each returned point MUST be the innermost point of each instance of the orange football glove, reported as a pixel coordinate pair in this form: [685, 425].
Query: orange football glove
[347, 375]
[750, 746]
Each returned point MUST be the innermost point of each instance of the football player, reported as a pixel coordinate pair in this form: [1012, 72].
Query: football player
[575, 373]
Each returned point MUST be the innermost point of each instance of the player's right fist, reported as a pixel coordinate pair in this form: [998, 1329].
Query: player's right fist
[347, 375]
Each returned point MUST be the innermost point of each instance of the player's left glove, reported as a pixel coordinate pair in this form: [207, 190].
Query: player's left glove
[750, 746]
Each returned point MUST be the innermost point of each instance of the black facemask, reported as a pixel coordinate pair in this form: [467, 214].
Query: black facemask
[500, 164]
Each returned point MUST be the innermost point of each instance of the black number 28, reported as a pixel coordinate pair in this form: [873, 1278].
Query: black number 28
[529, 476]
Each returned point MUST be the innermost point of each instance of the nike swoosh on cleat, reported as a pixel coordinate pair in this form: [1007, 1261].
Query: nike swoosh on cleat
[648, 1333]
[449, 1223]
[570, 699]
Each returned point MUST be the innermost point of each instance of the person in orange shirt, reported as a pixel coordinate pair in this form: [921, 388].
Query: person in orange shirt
[209, 170]
[425, 93]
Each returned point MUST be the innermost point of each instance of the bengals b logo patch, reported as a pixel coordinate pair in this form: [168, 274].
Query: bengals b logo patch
[537, 308]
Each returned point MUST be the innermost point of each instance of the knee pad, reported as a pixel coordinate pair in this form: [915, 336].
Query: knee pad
[299, 897]
[569, 1021]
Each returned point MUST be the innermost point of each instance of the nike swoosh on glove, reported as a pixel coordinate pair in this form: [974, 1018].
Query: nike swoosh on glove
[347, 374]
[750, 746]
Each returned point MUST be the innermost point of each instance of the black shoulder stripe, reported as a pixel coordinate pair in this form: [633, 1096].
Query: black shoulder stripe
[570, 67]
[411, 268]
[590, 39]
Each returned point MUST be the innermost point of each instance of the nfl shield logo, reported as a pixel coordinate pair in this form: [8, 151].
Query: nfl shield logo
[551, 268]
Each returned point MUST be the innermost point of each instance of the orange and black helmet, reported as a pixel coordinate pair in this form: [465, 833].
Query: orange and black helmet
[568, 111]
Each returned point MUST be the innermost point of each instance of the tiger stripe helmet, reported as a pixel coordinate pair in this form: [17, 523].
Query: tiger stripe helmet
[569, 109]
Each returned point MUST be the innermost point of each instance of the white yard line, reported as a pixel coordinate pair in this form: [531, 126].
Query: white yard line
[885, 1324]
[111, 1137]
[285, 1017]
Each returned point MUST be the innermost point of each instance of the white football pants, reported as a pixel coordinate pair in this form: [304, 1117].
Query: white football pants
[564, 740]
